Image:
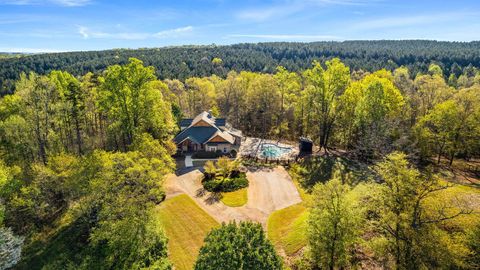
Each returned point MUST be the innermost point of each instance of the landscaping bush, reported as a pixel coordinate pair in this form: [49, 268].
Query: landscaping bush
[224, 176]
[227, 184]
[206, 154]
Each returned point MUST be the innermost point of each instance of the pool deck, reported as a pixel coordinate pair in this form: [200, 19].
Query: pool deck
[252, 147]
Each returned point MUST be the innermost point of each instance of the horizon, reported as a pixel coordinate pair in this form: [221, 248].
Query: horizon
[42, 26]
[233, 44]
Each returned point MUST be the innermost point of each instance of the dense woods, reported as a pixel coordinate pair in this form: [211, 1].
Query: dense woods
[87, 153]
[188, 61]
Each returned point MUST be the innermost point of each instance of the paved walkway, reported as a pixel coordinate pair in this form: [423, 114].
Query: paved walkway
[269, 190]
[188, 161]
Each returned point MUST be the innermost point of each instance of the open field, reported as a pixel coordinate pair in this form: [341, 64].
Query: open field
[186, 226]
[235, 198]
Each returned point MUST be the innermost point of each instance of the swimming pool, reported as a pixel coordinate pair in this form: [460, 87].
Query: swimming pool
[269, 150]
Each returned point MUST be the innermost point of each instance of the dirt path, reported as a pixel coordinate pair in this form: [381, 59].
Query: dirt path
[269, 190]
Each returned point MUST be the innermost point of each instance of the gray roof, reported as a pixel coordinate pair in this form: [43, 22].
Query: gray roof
[196, 134]
[219, 122]
[202, 134]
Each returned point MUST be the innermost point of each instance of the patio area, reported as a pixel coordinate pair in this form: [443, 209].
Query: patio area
[270, 149]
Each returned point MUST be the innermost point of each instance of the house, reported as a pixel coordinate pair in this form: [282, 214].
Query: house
[207, 133]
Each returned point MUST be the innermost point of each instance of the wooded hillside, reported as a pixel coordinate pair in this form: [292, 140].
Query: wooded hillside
[187, 61]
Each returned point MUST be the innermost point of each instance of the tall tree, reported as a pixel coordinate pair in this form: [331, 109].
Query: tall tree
[133, 105]
[123, 191]
[289, 88]
[369, 110]
[72, 106]
[323, 89]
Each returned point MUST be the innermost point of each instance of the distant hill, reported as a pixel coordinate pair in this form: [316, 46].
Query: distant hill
[185, 61]
[10, 55]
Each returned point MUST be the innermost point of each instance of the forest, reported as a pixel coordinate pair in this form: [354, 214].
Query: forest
[189, 61]
[86, 144]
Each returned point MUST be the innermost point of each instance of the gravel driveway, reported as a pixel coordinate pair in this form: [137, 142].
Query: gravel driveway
[269, 190]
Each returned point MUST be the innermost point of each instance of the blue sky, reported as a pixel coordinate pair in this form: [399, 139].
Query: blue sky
[72, 25]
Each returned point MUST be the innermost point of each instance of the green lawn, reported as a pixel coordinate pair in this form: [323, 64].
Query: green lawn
[186, 225]
[455, 197]
[287, 228]
[235, 198]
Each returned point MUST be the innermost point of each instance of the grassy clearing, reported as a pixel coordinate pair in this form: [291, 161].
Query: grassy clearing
[287, 228]
[235, 198]
[456, 197]
[186, 225]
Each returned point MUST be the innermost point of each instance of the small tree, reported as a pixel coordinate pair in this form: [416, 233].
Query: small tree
[210, 170]
[333, 224]
[237, 247]
[224, 168]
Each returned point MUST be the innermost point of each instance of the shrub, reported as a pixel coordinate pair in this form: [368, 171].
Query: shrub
[225, 184]
[224, 176]
[242, 246]
[206, 154]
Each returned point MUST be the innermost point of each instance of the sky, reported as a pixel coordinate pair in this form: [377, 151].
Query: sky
[78, 25]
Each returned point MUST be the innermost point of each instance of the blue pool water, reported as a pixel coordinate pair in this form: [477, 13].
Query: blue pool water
[273, 151]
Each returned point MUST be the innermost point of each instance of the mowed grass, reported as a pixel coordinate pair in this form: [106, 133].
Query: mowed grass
[186, 226]
[236, 198]
[287, 228]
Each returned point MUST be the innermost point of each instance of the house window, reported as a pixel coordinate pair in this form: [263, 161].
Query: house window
[212, 148]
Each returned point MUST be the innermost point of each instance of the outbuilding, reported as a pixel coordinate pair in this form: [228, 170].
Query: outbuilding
[305, 145]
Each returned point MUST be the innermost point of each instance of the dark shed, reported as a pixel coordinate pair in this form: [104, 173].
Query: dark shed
[305, 145]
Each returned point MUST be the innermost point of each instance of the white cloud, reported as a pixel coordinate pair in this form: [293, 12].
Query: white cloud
[286, 37]
[392, 22]
[16, 2]
[72, 3]
[289, 7]
[170, 33]
[268, 13]
[65, 3]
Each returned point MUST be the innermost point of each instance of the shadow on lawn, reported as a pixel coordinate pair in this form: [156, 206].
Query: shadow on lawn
[321, 168]
[213, 197]
[61, 250]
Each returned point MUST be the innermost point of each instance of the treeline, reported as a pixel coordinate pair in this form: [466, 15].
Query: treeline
[367, 114]
[90, 152]
[189, 61]
[85, 158]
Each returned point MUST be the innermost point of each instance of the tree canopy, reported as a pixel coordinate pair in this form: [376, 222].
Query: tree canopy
[238, 246]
